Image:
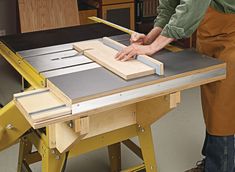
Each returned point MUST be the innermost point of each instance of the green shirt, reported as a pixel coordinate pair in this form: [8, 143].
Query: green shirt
[180, 18]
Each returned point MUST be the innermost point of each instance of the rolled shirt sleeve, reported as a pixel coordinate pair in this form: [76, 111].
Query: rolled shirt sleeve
[185, 19]
[165, 10]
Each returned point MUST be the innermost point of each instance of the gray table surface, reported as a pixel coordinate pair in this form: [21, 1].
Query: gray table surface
[99, 80]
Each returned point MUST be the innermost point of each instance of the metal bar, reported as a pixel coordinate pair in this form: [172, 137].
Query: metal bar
[139, 168]
[150, 91]
[11, 116]
[99, 20]
[133, 147]
[72, 69]
[47, 109]
[38, 91]
[147, 147]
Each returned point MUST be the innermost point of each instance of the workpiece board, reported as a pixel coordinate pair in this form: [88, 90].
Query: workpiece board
[105, 56]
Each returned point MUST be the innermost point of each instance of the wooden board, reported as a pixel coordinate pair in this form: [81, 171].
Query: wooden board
[84, 14]
[105, 56]
[108, 2]
[38, 15]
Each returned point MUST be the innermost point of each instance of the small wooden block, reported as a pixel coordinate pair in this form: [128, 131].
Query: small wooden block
[82, 125]
[52, 136]
[65, 137]
[174, 99]
[105, 56]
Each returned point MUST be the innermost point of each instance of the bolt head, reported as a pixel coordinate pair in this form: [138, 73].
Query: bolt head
[10, 127]
[57, 157]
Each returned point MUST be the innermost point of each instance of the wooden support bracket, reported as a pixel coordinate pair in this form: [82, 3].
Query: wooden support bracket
[81, 125]
[175, 99]
[65, 137]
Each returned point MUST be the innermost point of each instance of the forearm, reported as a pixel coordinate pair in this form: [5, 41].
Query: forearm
[159, 43]
[152, 35]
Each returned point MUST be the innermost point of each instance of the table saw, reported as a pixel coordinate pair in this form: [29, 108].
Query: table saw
[71, 105]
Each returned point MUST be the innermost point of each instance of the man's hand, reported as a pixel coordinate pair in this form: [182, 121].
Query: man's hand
[132, 51]
[138, 38]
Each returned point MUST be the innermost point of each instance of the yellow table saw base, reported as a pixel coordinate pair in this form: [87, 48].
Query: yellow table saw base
[53, 161]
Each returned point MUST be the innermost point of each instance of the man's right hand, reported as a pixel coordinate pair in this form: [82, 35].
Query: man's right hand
[138, 38]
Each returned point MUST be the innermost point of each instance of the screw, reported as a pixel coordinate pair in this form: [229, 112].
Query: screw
[142, 130]
[10, 127]
[53, 151]
[70, 124]
[151, 167]
[57, 157]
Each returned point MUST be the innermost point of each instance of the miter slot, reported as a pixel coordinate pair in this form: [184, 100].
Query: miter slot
[66, 57]
[47, 109]
[22, 95]
[58, 60]
[46, 50]
[70, 70]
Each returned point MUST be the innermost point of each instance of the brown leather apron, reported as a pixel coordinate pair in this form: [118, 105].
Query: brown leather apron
[216, 38]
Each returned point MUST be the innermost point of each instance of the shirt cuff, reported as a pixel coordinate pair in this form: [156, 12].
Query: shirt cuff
[160, 23]
[173, 32]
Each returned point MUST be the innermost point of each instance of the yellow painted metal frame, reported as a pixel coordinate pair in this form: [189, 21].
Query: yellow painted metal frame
[23, 67]
[12, 123]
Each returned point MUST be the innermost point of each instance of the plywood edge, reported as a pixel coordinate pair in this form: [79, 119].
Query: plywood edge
[24, 113]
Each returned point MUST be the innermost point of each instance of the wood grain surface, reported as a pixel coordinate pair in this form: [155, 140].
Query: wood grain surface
[105, 56]
[38, 15]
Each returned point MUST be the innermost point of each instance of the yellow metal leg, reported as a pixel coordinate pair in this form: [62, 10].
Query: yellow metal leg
[12, 125]
[25, 149]
[147, 147]
[115, 157]
[52, 161]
